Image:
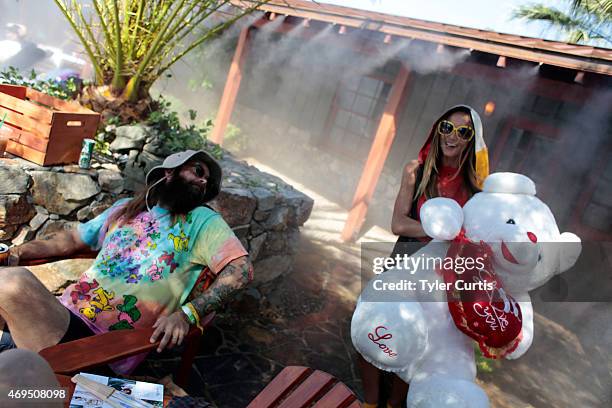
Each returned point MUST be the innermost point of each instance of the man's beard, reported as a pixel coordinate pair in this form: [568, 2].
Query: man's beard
[179, 196]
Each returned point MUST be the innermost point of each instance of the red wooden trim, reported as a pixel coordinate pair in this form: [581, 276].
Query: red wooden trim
[230, 92]
[308, 391]
[288, 378]
[66, 383]
[376, 158]
[356, 44]
[549, 88]
[340, 396]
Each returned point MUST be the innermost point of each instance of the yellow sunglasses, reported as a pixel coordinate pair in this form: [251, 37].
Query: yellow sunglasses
[465, 132]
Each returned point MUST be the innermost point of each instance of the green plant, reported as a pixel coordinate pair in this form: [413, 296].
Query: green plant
[484, 364]
[175, 136]
[131, 43]
[585, 20]
[235, 140]
[59, 89]
[106, 135]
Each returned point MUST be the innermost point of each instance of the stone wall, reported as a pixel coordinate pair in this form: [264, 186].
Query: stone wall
[264, 212]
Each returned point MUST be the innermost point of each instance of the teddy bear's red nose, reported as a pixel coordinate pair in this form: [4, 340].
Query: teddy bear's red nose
[532, 237]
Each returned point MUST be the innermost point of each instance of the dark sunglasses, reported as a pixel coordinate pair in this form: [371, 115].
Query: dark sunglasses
[199, 170]
[447, 127]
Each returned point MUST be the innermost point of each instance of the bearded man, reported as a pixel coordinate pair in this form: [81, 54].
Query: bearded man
[148, 262]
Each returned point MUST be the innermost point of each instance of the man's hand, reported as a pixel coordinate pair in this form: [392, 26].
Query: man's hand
[174, 328]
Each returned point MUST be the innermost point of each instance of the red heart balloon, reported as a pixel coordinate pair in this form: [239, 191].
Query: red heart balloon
[478, 303]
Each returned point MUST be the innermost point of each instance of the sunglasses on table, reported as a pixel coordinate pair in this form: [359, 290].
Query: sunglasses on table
[446, 127]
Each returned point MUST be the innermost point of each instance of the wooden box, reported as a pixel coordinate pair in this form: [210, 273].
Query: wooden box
[45, 130]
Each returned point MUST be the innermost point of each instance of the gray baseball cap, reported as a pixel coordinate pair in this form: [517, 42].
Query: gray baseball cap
[213, 186]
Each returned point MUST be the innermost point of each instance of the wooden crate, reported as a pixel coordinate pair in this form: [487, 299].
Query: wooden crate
[46, 130]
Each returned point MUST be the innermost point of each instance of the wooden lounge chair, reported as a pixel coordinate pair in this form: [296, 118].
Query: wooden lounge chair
[301, 387]
[95, 351]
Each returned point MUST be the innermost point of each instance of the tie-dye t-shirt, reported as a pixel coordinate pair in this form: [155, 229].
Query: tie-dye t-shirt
[148, 266]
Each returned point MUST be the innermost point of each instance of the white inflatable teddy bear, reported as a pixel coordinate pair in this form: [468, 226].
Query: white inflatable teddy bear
[417, 336]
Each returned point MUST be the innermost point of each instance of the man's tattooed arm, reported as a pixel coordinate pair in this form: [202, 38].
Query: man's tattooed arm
[230, 280]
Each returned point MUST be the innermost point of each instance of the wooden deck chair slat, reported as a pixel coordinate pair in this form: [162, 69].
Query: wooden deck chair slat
[98, 350]
[308, 391]
[280, 386]
[340, 396]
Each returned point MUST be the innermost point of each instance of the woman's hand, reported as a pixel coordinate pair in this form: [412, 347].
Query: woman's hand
[410, 171]
[174, 328]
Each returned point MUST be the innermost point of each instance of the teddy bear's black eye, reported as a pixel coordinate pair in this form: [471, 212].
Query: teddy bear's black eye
[510, 221]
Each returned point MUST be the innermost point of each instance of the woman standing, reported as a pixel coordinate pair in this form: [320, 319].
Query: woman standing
[452, 163]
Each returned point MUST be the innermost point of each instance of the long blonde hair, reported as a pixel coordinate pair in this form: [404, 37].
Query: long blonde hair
[467, 164]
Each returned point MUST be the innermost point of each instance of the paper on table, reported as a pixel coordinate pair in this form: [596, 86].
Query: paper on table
[147, 392]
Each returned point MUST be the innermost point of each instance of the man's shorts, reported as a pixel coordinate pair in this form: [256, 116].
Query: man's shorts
[77, 329]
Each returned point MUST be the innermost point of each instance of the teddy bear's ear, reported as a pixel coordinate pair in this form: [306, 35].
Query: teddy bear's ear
[441, 218]
[570, 251]
[511, 183]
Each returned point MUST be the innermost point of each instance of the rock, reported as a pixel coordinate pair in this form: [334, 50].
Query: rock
[147, 161]
[51, 227]
[270, 268]
[84, 214]
[134, 176]
[255, 246]
[261, 215]
[156, 146]
[129, 137]
[54, 217]
[7, 232]
[278, 220]
[256, 229]
[15, 210]
[275, 243]
[136, 168]
[110, 166]
[111, 181]
[62, 193]
[302, 205]
[14, 180]
[236, 206]
[241, 231]
[74, 168]
[38, 220]
[41, 210]
[24, 234]
[265, 198]
[101, 204]
[56, 276]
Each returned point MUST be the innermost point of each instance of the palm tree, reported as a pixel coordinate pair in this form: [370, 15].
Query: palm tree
[131, 43]
[586, 21]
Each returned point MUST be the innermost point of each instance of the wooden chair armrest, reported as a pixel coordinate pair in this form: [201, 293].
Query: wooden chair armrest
[101, 349]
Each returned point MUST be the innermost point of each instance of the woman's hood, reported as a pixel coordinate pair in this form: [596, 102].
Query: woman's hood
[482, 154]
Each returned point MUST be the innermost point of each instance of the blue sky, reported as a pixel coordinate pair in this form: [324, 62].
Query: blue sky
[491, 15]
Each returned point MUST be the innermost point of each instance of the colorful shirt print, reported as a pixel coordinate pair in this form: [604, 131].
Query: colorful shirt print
[147, 267]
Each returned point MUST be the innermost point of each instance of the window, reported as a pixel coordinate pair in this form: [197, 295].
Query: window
[355, 114]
